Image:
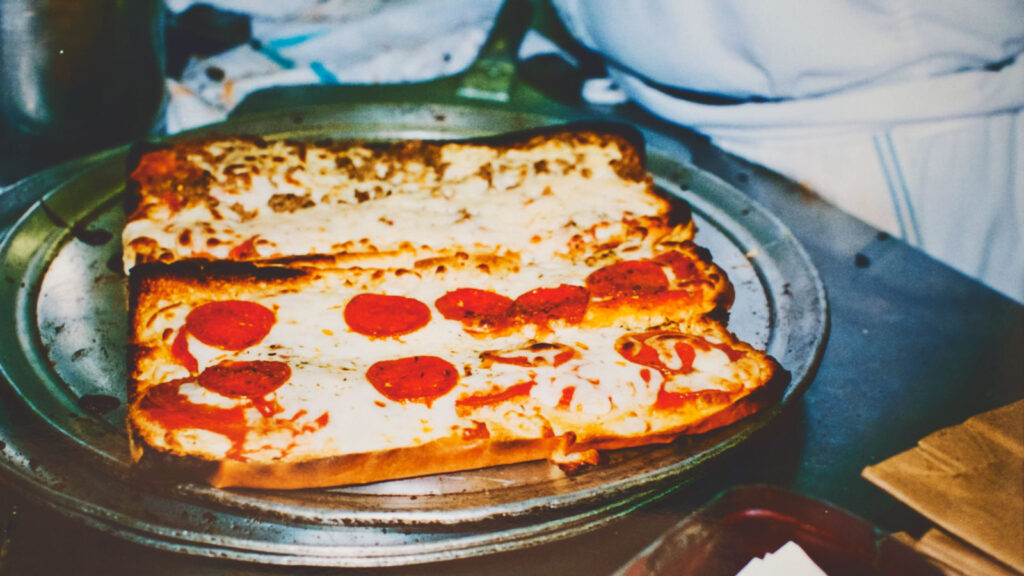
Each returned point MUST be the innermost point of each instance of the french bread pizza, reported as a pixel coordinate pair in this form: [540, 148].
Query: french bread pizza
[424, 307]
[569, 192]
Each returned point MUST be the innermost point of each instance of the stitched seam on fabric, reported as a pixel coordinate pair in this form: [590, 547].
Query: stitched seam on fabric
[888, 182]
[911, 216]
[276, 56]
[325, 75]
[289, 41]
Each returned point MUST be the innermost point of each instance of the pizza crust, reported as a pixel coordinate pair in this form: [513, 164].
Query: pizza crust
[437, 457]
[535, 194]
[441, 456]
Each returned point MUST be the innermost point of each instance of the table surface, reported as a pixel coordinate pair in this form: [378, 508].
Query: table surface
[915, 346]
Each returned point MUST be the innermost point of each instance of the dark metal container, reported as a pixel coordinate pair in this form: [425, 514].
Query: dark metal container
[81, 74]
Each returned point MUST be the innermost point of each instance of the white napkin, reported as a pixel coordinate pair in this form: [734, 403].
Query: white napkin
[789, 560]
[329, 42]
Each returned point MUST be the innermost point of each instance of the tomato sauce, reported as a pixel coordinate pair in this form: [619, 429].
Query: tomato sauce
[565, 400]
[244, 251]
[383, 316]
[180, 352]
[421, 379]
[479, 400]
[230, 324]
[637, 348]
[537, 354]
[165, 404]
[479, 431]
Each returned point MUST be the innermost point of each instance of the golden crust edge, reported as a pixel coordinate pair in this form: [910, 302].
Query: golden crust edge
[437, 457]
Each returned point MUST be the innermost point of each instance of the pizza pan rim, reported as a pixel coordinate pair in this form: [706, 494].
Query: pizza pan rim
[565, 516]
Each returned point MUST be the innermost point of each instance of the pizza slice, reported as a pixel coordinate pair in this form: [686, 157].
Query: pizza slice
[313, 314]
[572, 191]
[288, 377]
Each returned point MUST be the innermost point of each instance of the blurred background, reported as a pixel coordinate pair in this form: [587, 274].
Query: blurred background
[906, 115]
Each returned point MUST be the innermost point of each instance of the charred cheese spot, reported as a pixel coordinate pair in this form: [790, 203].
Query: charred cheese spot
[290, 202]
[243, 214]
[532, 355]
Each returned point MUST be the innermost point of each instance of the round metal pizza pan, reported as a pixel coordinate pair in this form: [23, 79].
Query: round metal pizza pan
[62, 352]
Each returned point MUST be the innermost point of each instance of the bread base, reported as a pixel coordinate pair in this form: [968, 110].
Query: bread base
[438, 457]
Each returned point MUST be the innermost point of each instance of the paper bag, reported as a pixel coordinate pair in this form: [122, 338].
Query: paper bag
[968, 479]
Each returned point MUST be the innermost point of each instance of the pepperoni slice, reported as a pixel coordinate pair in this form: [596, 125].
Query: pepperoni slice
[543, 305]
[382, 316]
[481, 309]
[533, 355]
[420, 379]
[253, 379]
[230, 324]
[479, 400]
[630, 278]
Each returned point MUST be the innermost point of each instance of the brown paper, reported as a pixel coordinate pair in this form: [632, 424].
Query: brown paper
[963, 558]
[968, 479]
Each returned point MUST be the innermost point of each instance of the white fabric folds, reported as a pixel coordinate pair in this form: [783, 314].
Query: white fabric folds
[906, 114]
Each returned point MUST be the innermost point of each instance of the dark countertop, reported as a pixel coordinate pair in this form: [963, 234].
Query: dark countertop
[914, 347]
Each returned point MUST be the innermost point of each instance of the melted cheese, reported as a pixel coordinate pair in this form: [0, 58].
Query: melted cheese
[544, 216]
[483, 199]
[329, 364]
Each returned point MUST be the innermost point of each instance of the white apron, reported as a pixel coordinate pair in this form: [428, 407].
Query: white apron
[906, 114]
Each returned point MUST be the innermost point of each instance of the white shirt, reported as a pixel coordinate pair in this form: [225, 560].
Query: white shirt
[905, 113]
